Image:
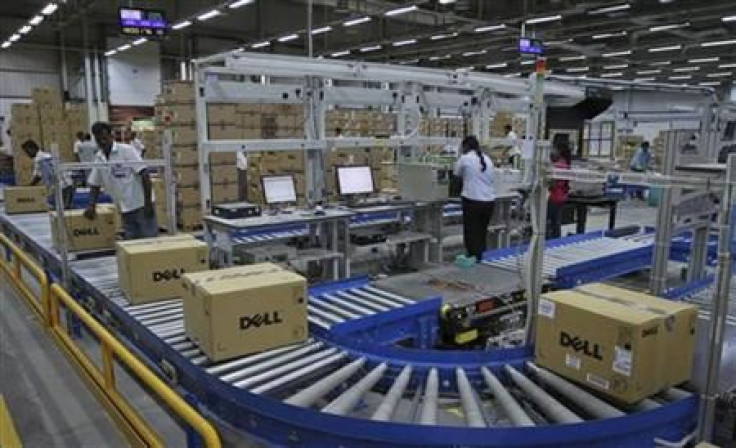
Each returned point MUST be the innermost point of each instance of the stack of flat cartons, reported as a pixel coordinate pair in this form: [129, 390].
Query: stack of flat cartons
[359, 123]
[24, 125]
[626, 146]
[503, 119]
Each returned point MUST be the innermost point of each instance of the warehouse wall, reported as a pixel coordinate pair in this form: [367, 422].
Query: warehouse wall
[134, 76]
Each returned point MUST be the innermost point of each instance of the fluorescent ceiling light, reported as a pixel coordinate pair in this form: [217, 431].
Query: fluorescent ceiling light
[703, 60]
[727, 66]
[110, 52]
[36, 20]
[434, 58]
[710, 84]
[6, 44]
[671, 26]
[447, 2]
[371, 48]
[718, 43]
[572, 58]
[265, 43]
[615, 67]
[14, 37]
[557, 42]
[729, 19]
[608, 9]
[124, 47]
[512, 75]
[484, 29]
[616, 53]
[680, 78]
[357, 21]
[239, 3]
[660, 63]
[25, 29]
[686, 69]
[719, 75]
[527, 62]
[612, 75]
[340, 53]
[501, 65]
[49, 9]
[474, 53]
[322, 30]
[443, 36]
[577, 69]
[288, 38]
[545, 19]
[140, 41]
[649, 72]
[644, 79]
[668, 48]
[398, 11]
[180, 25]
[208, 15]
[609, 35]
[402, 43]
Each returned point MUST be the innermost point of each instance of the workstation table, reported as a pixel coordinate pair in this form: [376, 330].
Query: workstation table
[581, 204]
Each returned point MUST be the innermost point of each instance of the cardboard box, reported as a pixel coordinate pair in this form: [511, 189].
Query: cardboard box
[83, 234]
[187, 176]
[188, 197]
[222, 193]
[178, 114]
[227, 132]
[222, 114]
[616, 342]
[150, 269]
[237, 311]
[185, 156]
[183, 135]
[25, 200]
[178, 92]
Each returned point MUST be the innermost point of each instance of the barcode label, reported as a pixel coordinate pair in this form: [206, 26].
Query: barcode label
[622, 361]
[572, 361]
[546, 308]
[597, 381]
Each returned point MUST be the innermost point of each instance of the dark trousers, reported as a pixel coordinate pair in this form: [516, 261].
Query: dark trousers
[476, 218]
[137, 225]
[554, 219]
[68, 196]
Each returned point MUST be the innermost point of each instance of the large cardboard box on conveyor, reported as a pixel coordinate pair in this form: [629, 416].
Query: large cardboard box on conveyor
[625, 345]
[237, 311]
[150, 269]
[83, 234]
[25, 200]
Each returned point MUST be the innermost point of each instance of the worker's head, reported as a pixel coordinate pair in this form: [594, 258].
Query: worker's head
[30, 147]
[80, 136]
[103, 135]
[561, 151]
[645, 146]
[338, 131]
[507, 128]
[470, 143]
[87, 137]
[133, 135]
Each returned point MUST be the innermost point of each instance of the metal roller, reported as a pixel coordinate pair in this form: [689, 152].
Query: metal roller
[368, 300]
[179, 317]
[586, 401]
[285, 368]
[429, 403]
[548, 404]
[387, 407]
[389, 295]
[138, 309]
[313, 310]
[298, 374]
[321, 304]
[250, 359]
[348, 399]
[473, 415]
[510, 406]
[676, 394]
[308, 396]
[272, 362]
[350, 306]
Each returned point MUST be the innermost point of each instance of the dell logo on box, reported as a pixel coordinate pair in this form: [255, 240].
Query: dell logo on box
[260, 319]
[26, 200]
[167, 275]
[86, 232]
[581, 346]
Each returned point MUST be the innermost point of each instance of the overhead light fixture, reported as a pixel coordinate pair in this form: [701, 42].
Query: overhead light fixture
[609, 9]
[686, 69]
[322, 30]
[545, 19]
[727, 66]
[710, 84]
[402, 43]
[36, 20]
[239, 3]
[609, 35]
[494, 66]
[649, 72]
[435, 58]
[551, 43]
[612, 75]
[703, 60]
[572, 58]
[6, 44]
[371, 48]
[615, 67]
[25, 29]
[485, 29]
[124, 47]
[49, 9]
[208, 15]
[680, 78]
[719, 75]
[644, 79]
[667, 48]
[110, 52]
[14, 37]
[616, 54]
[671, 26]
[180, 25]
[340, 53]
[718, 43]
[729, 19]
[288, 38]
[443, 36]
[512, 75]
[528, 62]
[577, 69]
[357, 21]
[265, 43]
[660, 63]
[399, 11]
[447, 2]
[474, 53]
[140, 41]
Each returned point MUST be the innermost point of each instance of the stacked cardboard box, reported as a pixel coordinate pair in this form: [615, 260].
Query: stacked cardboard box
[503, 119]
[24, 125]
[441, 127]
[359, 123]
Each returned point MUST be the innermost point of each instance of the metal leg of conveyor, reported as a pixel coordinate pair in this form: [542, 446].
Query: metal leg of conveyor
[273, 362]
[586, 401]
[387, 407]
[299, 373]
[473, 415]
[251, 381]
[348, 399]
[548, 404]
[510, 406]
[308, 396]
[429, 403]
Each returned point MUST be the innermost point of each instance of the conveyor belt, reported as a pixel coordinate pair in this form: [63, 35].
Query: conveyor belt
[336, 389]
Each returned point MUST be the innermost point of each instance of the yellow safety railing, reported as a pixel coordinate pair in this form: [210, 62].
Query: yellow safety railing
[49, 304]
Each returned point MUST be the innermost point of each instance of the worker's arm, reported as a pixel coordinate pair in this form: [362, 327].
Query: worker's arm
[91, 211]
[147, 193]
[35, 180]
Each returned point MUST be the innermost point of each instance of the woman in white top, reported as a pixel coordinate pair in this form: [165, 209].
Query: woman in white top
[478, 195]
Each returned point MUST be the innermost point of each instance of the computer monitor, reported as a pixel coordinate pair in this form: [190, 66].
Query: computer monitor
[278, 189]
[354, 180]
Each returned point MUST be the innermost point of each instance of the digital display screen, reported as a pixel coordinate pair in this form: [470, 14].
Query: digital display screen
[278, 189]
[142, 22]
[531, 46]
[354, 180]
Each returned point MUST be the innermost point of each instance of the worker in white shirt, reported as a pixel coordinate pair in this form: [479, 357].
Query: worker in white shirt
[137, 144]
[130, 187]
[514, 151]
[42, 173]
[241, 163]
[478, 195]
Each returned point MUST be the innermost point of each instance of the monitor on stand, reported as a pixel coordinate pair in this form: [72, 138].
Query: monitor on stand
[278, 190]
[354, 182]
